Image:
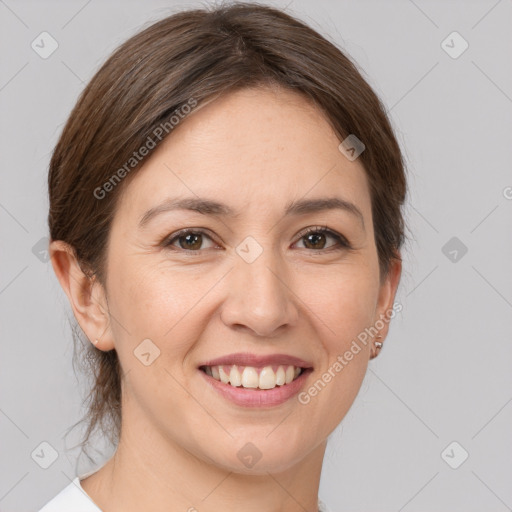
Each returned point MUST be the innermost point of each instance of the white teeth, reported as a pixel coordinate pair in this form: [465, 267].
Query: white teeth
[289, 374]
[248, 377]
[280, 376]
[267, 378]
[235, 378]
[224, 377]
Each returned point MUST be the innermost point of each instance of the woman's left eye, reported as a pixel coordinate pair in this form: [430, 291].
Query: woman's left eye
[314, 238]
[317, 236]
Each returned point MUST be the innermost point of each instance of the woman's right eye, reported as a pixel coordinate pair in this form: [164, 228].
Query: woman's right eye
[188, 240]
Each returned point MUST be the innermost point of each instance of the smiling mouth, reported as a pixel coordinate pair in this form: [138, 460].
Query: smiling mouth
[251, 377]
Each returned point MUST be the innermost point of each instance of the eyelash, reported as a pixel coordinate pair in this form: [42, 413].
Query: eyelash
[343, 243]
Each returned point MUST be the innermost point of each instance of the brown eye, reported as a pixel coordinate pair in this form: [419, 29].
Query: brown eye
[192, 241]
[316, 239]
[188, 240]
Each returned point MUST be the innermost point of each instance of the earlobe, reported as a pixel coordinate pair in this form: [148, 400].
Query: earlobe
[85, 294]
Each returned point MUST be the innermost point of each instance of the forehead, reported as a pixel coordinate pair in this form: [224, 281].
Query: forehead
[253, 147]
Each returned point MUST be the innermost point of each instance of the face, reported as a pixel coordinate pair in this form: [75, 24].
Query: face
[266, 271]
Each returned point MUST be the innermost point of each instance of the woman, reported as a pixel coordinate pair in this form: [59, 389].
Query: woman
[225, 219]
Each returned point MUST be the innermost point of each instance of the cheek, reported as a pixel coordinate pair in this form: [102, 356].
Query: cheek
[148, 303]
[347, 310]
[157, 303]
[344, 300]
[344, 306]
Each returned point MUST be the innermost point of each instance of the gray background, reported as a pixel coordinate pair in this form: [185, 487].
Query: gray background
[444, 373]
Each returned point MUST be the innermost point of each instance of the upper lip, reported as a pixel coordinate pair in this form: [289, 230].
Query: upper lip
[246, 359]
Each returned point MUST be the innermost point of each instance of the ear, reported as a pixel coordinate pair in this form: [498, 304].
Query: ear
[86, 295]
[385, 301]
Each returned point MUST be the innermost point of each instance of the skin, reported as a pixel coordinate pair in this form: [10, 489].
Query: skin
[255, 150]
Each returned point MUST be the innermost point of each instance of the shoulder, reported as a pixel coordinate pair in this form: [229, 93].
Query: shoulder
[71, 499]
[322, 507]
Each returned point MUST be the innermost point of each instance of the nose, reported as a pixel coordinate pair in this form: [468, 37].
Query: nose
[260, 297]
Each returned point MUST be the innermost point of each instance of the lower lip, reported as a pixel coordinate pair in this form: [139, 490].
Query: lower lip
[251, 397]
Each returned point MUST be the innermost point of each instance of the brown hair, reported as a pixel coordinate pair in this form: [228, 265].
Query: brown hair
[200, 54]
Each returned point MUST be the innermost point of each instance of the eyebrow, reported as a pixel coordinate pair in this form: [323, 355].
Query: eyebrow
[206, 206]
